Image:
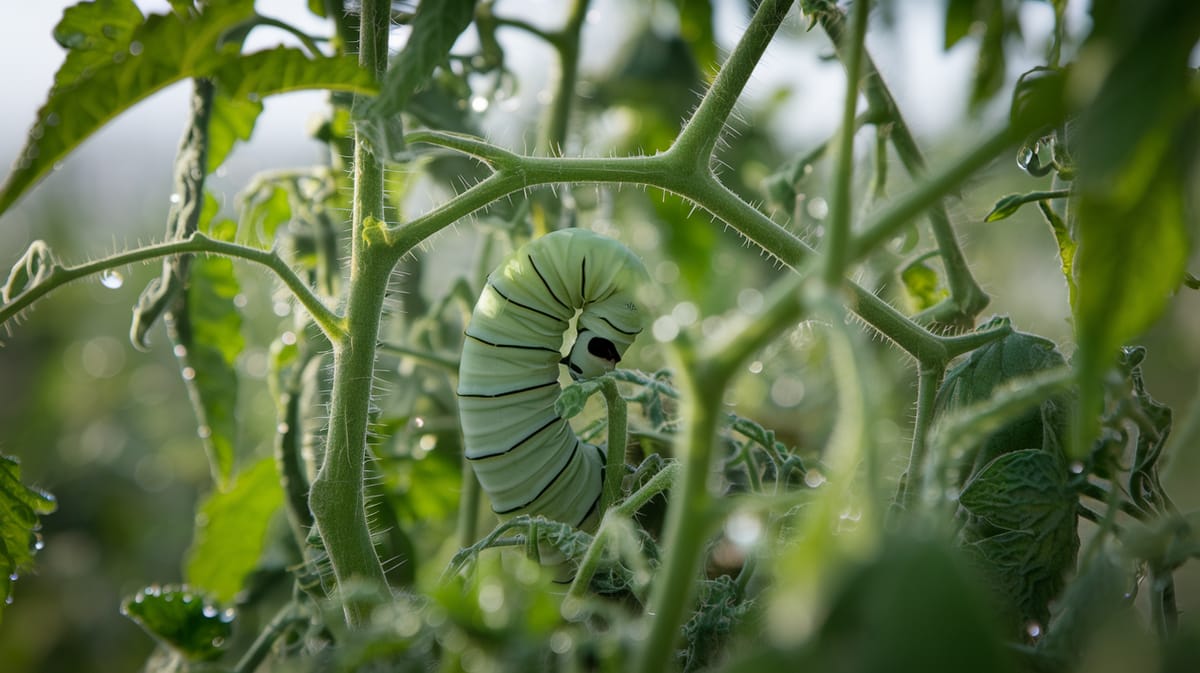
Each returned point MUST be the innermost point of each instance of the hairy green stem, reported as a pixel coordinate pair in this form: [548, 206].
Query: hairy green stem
[287, 617]
[966, 299]
[554, 137]
[837, 239]
[614, 471]
[336, 495]
[928, 380]
[689, 515]
[698, 139]
[198, 242]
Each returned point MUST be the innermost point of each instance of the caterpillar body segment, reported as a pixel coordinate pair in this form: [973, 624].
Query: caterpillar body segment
[528, 459]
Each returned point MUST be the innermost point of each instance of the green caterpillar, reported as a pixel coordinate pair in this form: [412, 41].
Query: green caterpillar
[528, 459]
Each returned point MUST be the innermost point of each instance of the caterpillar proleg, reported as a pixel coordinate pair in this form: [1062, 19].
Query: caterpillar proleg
[527, 459]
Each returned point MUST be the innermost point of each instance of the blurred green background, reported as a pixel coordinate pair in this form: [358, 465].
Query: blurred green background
[109, 430]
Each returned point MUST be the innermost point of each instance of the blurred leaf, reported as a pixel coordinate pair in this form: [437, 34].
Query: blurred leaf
[915, 606]
[20, 506]
[692, 247]
[999, 21]
[435, 28]
[264, 207]
[285, 69]
[960, 14]
[181, 620]
[231, 528]
[231, 120]
[922, 286]
[696, 29]
[209, 332]
[1135, 146]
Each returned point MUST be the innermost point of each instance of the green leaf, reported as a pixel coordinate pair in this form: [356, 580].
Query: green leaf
[95, 34]
[922, 285]
[208, 341]
[230, 120]
[171, 49]
[574, 397]
[960, 15]
[696, 29]
[20, 507]
[1006, 396]
[1022, 490]
[231, 529]
[166, 49]
[181, 620]
[1135, 143]
[286, 69]
[1005, 207]
[1022, 525]
[435, 28]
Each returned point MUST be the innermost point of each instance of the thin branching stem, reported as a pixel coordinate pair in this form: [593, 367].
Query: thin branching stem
[837, 240]
[329, 322]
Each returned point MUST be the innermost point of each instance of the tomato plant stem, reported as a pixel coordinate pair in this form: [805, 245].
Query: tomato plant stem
[837, 240]
[336, 495]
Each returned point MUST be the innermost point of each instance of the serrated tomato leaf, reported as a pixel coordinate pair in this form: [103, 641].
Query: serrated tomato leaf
[181, 619]
[1021, 523]
[164, 49]
[436, 26]
[20, 508]
[208, 339]
[94, 33]
[231, 529]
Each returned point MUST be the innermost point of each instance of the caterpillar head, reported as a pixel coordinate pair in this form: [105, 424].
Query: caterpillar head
[592, 355]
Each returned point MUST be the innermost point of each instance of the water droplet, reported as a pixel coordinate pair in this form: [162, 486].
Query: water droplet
[218, 641]
[13, 577]
[419, 422]
[1077, 467]
[175, 198]
[8, 600]
[180, 351]
[813, 478]
[1034, 630]
[38, 544]
[51, 119]
[817, 208]
[282, 308]
[202, 431]
[227, 616]
[282, 428]
[209, 611]
[135, 48]
[288, 338]
[111, 279]
[756, 367]
[188, 373]
[743, 529]
[479, 104]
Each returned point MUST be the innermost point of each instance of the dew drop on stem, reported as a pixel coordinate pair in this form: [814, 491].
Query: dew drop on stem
[111, 279]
